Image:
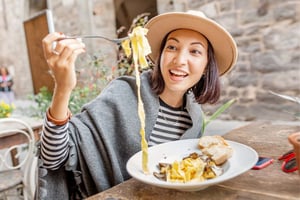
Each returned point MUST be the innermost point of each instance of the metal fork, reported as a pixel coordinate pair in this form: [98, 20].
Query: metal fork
[116, 41]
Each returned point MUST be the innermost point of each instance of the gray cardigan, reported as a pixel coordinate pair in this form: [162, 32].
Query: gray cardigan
[104, 136]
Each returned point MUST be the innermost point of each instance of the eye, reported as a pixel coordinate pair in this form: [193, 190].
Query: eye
[171, 47]
[196, 52]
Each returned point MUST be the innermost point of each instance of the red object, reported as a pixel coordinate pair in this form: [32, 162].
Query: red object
[289, 163]
[263, 162]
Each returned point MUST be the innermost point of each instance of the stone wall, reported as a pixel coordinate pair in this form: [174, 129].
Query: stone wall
[267, 34]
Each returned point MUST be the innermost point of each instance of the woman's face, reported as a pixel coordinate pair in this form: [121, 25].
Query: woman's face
[183, 60]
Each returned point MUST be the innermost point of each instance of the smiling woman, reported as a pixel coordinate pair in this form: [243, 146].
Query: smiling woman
[184, 59]
[189, 57]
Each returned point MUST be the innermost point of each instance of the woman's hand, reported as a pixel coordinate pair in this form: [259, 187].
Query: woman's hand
[61, 56]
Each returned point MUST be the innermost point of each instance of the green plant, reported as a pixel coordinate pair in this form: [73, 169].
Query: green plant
[79, 96]
[42, 99]
[6, 109]
[92, 77]
[208, 119]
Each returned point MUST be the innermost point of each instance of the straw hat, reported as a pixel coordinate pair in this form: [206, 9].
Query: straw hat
[224, 46]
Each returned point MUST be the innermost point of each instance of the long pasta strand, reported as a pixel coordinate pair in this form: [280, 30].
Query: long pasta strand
[140, 49]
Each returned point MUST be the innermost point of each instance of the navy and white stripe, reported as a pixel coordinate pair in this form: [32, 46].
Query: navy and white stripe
[170, 124]
[54, 146]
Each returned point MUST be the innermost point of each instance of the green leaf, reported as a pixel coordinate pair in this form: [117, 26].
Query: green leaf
[207, 120]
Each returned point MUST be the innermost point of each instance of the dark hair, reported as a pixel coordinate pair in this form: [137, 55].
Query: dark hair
[207, 90]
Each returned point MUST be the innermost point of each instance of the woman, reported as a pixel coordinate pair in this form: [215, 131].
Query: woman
[90, 149]
[6, 83]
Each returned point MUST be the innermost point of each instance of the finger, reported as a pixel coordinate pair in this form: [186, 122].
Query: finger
[48, 42]
[55, 52]
[67, 45]
[67, 57]
[75, 54]
[68, 48]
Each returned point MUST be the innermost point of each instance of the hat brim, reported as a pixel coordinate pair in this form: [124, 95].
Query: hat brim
[222, 42]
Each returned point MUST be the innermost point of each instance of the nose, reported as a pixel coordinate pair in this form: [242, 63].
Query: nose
[180, 58]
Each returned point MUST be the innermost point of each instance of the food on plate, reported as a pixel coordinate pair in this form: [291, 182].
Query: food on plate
[193, 168]
[198, 167]
[216, 148]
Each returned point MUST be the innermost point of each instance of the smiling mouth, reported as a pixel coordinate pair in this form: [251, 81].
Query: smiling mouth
[178, 73]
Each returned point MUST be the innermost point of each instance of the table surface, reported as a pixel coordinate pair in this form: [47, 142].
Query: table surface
[269, 183]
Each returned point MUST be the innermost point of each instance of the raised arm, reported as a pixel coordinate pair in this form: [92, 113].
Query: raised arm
[61, 56]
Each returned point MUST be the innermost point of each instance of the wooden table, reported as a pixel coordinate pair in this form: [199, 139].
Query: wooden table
[16, 139]
[267, 184]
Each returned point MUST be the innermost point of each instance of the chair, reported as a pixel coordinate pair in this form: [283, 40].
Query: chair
[18, 178]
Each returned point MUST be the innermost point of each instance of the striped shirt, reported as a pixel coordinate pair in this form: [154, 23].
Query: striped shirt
[170, 124]
[54, 146]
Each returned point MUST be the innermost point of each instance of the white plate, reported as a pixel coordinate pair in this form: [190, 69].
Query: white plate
[243, 159]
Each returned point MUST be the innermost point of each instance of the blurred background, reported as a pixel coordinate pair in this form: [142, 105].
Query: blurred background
[267, 33]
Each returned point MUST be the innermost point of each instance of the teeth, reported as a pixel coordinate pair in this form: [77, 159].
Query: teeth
[178, 73]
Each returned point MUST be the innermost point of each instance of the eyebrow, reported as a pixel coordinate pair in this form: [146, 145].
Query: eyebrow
[200, 43]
